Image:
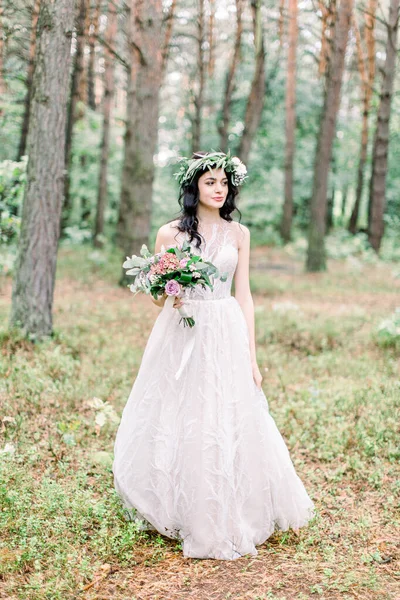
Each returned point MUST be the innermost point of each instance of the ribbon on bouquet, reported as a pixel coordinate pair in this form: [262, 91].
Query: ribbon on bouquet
[189, 345]
[187, 352]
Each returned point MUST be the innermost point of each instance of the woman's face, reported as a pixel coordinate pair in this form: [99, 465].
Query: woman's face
[213, 188]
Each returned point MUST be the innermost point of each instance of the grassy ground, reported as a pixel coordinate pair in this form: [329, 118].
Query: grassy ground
[333, 391]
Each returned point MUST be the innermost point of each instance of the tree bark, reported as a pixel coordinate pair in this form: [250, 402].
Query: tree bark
[255, 101]
[367, 74]
[211, 39]
[290, 126]
[144, 81]
[110, 36]
[327, 32]
[72, 109]
[330, 209]
[93, 33]
[82, 84]
[316, 259]
[381, 139]
[345, 195]
[33, 289]
[201, 70]
[29, 77]
[168, 34]
[230, 78]
[281, 22]
[3, 86]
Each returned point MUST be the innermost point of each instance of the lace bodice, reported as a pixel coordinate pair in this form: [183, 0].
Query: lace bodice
[219, 247]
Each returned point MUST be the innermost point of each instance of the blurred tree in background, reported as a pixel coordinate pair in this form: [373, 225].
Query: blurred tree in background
[150, 81]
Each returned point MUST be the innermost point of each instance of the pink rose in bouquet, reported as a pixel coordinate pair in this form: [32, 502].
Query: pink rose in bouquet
[172, 288]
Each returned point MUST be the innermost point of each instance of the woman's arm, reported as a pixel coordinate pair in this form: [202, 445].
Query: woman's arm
[243, 294]
[160, 300]
[242, 286]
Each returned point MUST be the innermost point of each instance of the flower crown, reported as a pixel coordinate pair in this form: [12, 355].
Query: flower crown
[218, 160]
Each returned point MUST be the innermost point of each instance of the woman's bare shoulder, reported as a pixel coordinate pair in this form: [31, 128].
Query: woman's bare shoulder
[241, 231]
[169, 231]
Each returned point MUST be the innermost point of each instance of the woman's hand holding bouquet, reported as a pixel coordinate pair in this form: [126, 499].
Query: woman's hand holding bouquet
[170, 272]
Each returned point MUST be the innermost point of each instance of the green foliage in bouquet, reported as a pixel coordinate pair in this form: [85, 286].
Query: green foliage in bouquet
[195, 272]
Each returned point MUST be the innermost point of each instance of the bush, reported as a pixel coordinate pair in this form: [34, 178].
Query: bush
[12, 185]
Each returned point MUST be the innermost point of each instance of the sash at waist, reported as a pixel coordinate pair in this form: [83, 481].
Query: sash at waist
[187, 300]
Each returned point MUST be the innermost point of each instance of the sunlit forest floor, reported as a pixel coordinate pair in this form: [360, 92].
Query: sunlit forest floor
[333, 390]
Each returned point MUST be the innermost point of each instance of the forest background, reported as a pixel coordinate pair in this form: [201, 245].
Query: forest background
[252, 77]
[98, 99]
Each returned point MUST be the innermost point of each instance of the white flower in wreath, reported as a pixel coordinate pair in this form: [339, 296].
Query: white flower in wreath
[241, 169]
[236, 160]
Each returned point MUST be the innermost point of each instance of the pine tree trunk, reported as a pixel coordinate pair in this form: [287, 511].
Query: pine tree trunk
[169, 22]
[211, 39]
[201, 70]
[229, 85]
[367, 80]
[33, 288]
[381, 139]
[328, 12]
[82, 84]
[329, 211]
[3, 86]
[290, 126]
[110, 36]
[145, 78]
[316, 259]
[29, 77]
[345, 196]
[255, 101]
[94, 32]
[72, 110]
[360, 175]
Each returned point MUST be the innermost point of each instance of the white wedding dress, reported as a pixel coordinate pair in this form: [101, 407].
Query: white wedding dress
[198, 456]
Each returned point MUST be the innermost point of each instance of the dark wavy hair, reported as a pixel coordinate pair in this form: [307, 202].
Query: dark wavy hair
[189, 198]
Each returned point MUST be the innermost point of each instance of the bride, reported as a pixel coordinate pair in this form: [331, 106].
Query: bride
[197, 455]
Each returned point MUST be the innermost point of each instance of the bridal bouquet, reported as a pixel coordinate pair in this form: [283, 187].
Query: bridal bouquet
[170, 271]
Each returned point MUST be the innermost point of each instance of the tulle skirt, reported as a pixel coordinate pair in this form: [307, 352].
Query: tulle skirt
[197, 453]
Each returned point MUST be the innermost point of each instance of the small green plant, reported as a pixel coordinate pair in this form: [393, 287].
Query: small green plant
[388, 334]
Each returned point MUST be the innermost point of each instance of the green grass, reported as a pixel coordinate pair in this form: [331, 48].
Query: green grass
[333, 390]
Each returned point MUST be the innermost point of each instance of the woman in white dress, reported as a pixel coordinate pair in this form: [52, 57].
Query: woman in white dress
[198, 456]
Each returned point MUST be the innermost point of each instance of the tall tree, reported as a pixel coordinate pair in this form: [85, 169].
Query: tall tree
[147, 55]
[290, 125]
[211, 39]
[169, 21]
[201, 71]
[223, 124]
[316, 259]
[29, 77]
[110, 36]
[281, 22]
[82, 83]
[93, 34]
[328, 18]
[366, 67]
[2, 79]
[32, 296]
[377, 200]
[72, 107]
[255, 101]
